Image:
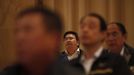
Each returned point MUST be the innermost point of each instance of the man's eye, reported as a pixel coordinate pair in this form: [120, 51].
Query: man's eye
[27, 29]
[16, 31]
[65, 39]
[68, 38]
[82, 25]
[71, 38]
[108, 34]
[91, 26]
[115, 34]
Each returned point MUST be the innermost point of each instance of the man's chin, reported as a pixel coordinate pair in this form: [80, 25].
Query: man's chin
[23, 60]
[114, 50]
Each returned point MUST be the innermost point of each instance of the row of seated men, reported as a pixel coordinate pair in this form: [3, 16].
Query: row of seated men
[115, 39]
[38, 31]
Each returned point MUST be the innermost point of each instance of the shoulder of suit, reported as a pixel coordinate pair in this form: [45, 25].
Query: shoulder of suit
[63, 53]
[10, 69]
[81, 51]
[110, 56]
[129, 48]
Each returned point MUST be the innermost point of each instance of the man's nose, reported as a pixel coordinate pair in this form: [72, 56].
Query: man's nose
[85, 30]
[68, 40]
[110, 38]
[20, 36]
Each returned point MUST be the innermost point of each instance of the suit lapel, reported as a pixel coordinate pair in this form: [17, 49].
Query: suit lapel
[98, 67]
[127, 55]
[101, 66]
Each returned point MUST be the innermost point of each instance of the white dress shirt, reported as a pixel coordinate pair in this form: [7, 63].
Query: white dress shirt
[87, 63]
[73, 56]
[122, 51]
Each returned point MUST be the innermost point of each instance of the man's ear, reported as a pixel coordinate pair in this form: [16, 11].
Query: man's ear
[78, 43]
[55, 38]
[104, 35]
[125, 37]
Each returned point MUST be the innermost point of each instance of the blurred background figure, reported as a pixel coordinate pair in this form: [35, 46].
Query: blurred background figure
[38, 39]
[71, 45]
[116, 42]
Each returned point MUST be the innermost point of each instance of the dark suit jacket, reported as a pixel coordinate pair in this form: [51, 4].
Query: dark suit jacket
[57, 68]
[106, 64]
[129, 56]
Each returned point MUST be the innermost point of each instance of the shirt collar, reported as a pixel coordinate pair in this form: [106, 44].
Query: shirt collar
[97, 54]
[122, 51]
[74, 55]
[77, 51]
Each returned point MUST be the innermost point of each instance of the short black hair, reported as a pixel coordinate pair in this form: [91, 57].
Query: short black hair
[73, 33]
[52, 19]
[103, 25]
[121, 27]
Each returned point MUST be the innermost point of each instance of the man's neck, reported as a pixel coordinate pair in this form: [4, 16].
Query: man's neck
[72, 51]
[33, 70]
[91, 49]
[117, 51]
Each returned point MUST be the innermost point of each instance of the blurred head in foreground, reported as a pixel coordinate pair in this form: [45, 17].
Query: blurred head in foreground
[37, 35]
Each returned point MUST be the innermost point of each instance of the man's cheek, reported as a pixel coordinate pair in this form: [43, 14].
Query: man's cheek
[35, 39]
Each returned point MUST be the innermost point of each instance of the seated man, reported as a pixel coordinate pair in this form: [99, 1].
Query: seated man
[71, 44]
[116, 42]
[38, 37]
[95, 60]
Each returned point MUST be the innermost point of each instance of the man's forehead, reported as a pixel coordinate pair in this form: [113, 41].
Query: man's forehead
[31, 18]
[90, 19]
[113, 27]
[70, 35]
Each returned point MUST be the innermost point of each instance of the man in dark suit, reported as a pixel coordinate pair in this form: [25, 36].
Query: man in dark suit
[95, 60]
[116, 42]
[71, 44]
[37, 37]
